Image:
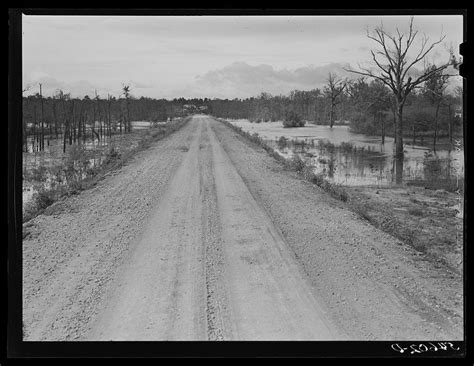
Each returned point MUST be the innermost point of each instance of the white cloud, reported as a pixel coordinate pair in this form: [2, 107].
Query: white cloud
[242, 80]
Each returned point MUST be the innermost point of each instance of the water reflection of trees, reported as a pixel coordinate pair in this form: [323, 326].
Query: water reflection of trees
[360, 166]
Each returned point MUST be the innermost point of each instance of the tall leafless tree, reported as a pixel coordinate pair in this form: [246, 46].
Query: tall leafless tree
[393, 66]
[96, 111]
[333, 91]
[25, 130]
[42, 118]
[126, 93]
[109, 116]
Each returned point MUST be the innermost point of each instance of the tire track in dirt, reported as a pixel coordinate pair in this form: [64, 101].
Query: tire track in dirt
[218, 325]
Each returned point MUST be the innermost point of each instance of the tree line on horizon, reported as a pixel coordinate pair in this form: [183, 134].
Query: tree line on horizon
[365, 106]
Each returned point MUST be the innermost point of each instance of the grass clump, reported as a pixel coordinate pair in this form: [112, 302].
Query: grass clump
[282, 142]
[296, 163]
[43, 198]
[346, 147]
[326, 145]
[112, 154]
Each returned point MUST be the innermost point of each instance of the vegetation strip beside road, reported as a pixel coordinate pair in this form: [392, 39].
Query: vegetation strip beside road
[421, 218]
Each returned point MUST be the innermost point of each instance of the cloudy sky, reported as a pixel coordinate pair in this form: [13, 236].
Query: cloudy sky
[206, 56]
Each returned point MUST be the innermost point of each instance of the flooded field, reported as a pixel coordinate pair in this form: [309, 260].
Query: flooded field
[424, 209]
[39, 167]
[354, 159]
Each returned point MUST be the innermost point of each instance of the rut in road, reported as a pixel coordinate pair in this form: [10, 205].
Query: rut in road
[210, 265]
[216, 305]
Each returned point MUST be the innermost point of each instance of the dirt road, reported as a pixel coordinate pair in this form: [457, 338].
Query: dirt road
[205, 237]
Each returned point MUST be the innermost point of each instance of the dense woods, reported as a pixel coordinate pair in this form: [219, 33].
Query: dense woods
[365, 106]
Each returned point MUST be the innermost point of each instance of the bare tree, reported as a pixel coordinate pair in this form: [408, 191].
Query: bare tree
[25, 130]
[109, 121]
[95, 109]
[126, 93]
[393, 66]
[42, 119]
[66, 123]
[457, 100]
[333, 91]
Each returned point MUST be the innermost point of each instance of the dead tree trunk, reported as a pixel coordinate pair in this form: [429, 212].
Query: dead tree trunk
[66, 131]
[42, 120]
[55, 120]
[333, 91]
[35, 137]
[382, 125]
[109, 121]
[74, 122]
[331, 115]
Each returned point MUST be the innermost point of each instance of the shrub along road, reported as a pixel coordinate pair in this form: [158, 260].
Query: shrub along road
[205, 236]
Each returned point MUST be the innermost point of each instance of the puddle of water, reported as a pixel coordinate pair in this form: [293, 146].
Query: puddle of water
[140, 125]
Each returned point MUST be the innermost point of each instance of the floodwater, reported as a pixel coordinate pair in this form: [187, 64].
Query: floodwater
[53, 153]
[354, 159]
